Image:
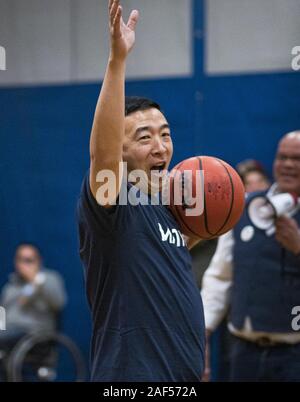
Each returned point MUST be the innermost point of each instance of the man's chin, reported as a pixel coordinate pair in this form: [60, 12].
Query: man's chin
[157, 180]
[289, 186]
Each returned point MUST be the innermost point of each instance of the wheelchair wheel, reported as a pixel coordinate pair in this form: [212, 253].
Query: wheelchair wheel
[44, 365]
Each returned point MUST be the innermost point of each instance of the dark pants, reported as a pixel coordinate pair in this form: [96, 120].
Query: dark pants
[250, 362]
[8, 339]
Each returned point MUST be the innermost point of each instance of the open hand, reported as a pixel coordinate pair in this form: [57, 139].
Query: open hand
[122, 35]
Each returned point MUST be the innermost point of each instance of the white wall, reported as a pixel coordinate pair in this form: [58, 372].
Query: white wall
[253, 36]
[54, 41]
[64, 41]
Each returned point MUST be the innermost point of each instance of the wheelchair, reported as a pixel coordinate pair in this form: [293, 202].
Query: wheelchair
[39, 357]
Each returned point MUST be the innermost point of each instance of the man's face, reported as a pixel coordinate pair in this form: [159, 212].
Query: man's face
[255, 181]
[148, 145]
[27, 261]
[287, 164]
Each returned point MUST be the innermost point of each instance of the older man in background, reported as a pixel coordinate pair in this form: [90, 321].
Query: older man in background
[258, 276]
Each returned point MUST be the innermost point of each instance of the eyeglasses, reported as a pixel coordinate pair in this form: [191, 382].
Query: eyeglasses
[26, 260]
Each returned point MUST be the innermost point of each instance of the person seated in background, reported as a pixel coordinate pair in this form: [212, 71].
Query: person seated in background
[253, 175]
[33, 299]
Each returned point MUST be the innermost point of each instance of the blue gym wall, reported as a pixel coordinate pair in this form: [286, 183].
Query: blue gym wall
[44, 134]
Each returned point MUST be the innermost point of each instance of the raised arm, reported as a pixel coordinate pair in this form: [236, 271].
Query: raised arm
[109, 119]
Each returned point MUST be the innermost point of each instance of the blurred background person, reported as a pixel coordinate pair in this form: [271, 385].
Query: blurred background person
[33, 299]
[255, 178]
[254, 175]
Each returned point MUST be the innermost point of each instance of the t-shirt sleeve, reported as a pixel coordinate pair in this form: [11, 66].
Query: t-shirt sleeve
[94, 217]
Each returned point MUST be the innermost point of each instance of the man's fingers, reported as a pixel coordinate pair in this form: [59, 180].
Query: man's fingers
[280, 226]
[110, 4]
[285, 220]
[116, 22]
[281, 238]
[113, 11]
[133, 19]
[286, 226]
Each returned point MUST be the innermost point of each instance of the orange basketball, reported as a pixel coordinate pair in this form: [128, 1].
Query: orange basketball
[222, 196]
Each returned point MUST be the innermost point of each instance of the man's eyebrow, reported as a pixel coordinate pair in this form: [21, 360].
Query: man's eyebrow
[140, 129]
[148, 128]
[164, 126]
[288, 155]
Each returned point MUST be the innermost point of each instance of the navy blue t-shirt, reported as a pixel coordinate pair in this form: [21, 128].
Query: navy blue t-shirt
[147, 313]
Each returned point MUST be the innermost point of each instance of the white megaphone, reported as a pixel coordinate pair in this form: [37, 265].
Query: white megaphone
[263, 210]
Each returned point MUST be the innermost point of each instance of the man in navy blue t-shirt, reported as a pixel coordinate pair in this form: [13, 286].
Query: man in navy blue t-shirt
[147, 312]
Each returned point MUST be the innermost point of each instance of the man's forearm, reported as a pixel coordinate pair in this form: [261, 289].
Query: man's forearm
[106, 142]
[108, 126]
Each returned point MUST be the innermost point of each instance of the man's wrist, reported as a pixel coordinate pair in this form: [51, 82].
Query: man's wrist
[116, 62]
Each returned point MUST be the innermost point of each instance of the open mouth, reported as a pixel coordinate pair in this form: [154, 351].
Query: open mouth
[158, 168]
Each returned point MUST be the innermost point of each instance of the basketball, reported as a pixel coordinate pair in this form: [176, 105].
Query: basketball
[217, 188]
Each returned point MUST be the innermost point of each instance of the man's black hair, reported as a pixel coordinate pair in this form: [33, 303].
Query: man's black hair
[135, 103]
